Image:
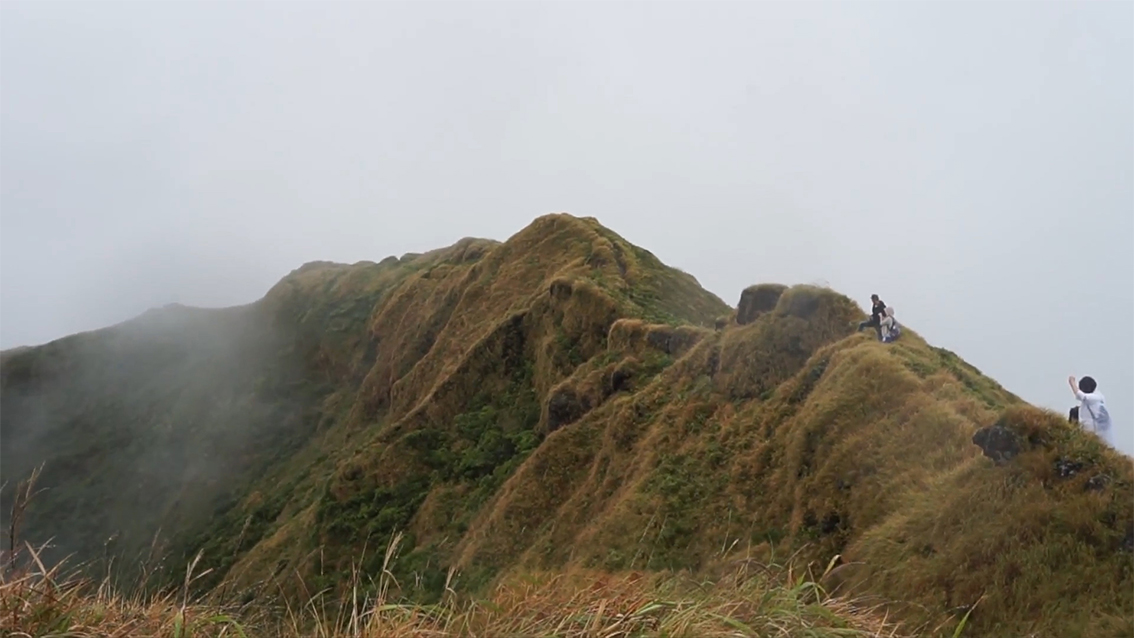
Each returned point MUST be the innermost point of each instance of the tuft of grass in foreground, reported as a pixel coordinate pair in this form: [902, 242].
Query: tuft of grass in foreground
[754, 600]
[36, 601]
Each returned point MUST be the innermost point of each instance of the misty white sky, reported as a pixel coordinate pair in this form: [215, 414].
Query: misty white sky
[971, 162]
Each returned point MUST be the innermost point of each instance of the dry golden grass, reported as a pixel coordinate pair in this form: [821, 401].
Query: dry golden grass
[786, 432]
[754, 600]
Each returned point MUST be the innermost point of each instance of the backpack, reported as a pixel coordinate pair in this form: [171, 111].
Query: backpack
[1102, 419]
[895, 332]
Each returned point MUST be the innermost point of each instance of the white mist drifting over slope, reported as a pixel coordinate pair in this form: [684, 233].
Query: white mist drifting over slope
[971, 163]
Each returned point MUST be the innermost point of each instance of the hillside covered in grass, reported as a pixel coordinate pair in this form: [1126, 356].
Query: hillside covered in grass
[562, 401]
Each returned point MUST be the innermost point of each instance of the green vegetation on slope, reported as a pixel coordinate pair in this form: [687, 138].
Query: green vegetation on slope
[559, 401]
[150, 430]
[768, 435]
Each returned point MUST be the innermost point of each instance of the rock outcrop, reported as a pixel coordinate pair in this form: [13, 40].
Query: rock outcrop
[756, 300]
[998, 443]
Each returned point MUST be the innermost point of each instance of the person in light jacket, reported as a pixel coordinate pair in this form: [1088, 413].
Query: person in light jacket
[889, 326]
[1092, 413]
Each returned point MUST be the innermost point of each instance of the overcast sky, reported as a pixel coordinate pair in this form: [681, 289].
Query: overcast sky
[973, 163]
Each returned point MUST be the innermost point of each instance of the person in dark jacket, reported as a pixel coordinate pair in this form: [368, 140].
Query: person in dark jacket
[877, 312]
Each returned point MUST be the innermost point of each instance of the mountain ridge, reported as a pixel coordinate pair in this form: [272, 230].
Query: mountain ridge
[560, 399]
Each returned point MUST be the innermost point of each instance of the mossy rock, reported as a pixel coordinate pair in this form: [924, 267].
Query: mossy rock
[757, 300]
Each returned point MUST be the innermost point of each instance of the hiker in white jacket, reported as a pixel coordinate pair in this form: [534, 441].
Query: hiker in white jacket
[888, 326]
[1093, 415]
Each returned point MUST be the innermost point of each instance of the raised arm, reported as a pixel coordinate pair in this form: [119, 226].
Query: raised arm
[1074, 387]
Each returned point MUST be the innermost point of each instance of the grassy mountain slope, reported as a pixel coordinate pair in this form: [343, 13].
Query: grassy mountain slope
[560, 401]
[162, 421]
[428, 443]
